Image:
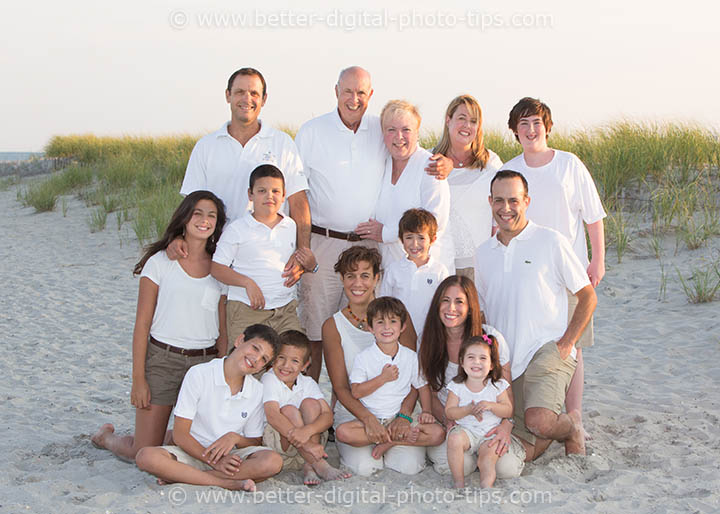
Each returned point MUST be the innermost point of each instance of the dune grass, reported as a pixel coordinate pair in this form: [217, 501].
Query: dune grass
[666, 172]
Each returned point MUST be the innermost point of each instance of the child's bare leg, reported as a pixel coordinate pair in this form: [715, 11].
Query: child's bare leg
[150, 426]
[487, 458]
[310, 410]
[166, 467]
[573, 398]
[260, 465]
[428, 434]
[457, 444]
[352, 433]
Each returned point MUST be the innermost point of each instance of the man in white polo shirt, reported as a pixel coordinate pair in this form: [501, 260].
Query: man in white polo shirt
[344, 157]
[343, 154]
[522, 274]
[221, 162]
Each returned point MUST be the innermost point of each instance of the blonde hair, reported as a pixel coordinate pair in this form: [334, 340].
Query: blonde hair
[479, 154]
[395, 106]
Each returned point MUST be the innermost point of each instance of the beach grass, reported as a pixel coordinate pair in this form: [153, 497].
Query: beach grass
[668, 172]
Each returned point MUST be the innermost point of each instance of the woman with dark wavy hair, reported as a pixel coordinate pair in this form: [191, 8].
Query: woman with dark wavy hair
[180, 322]
[453, 317]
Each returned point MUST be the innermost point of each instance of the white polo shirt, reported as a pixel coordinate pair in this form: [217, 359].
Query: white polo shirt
[563, 197]
[489, 394]
[275, 390]
[205, 398]
[414, 189]
[220, 164]
[343, 169]
[413, 286]
[387, 399]
[522, 288]
[259, 252]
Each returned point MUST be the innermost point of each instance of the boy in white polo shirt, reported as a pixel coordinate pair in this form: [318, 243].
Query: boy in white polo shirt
[251, 257]
[219, 421]
[298, 415]
[383, 376]
[413, 280]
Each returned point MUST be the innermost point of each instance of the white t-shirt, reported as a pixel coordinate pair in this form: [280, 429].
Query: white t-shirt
[261, 253]
[219, 163]
[451, 370]
[186, 312]
[413, 286]
[205, 398]
[414, 189]
[488, 394]
[470, 214]
[522, 288]
[387, 399]
[275, 390]
[562, 196]
[344, 169]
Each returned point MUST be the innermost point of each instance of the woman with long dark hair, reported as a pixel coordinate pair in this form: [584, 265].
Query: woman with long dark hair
[453, 317]
[180, 321]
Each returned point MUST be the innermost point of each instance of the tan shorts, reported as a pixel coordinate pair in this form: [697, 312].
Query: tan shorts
[587, 338]
[292, 460]
[240, 316]
[165, 370]
[544, 384]
[182, 456]
[321, 294]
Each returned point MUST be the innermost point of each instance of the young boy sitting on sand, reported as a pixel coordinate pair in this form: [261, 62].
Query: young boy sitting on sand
[298, 415]
[219, 421]
[383, 376]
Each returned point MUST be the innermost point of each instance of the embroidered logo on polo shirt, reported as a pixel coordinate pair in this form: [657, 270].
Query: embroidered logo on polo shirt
[244, 414]
[429, 281]
[268, 156]
[528, 262]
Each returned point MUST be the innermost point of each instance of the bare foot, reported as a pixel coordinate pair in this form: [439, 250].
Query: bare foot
[309, 475]
[380, 450]
[586, 435]
[413, 435]
[98, 438]
[327, 472]
[241, 485]
[459, 485]
[575, 444]
[160, 481]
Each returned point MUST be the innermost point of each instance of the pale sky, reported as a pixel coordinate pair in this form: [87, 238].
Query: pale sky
[143, 68]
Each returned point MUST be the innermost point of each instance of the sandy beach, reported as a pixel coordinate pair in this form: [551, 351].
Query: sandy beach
[652, 394]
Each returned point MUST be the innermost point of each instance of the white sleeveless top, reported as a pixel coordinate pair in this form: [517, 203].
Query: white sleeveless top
[353, 341]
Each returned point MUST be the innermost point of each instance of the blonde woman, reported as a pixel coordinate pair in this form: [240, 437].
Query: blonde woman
[406, 185]
[473, 168]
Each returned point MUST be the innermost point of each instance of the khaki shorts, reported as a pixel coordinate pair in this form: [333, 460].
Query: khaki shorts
[240, 316]
[544, 384]
[182, 456]
[587, 338]
[292, 460]
[321, 294]
[165, 370]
